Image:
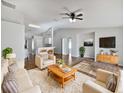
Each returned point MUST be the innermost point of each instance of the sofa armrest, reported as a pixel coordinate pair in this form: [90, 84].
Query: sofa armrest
[91, 87]
[38, 61]
[102, 75]
[35, 89]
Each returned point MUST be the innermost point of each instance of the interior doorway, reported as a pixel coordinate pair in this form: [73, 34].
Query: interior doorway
[67, 49]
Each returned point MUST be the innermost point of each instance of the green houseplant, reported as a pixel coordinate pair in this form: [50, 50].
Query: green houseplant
[82, 51]
[60, 62]
[6, 51]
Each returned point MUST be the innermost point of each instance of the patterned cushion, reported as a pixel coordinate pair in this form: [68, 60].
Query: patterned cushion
[9, 84]
[13, 67]
[111, 83]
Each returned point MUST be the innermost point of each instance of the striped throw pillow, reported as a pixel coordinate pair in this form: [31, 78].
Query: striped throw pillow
[111, 83]
[9, 84]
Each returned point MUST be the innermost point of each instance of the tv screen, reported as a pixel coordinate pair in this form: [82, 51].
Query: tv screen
[107, 42]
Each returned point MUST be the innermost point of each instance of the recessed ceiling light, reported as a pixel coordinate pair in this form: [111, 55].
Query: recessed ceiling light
[34, 26]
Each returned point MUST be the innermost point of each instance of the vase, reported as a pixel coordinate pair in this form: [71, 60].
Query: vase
[82, 55]
[101, 53]
[114, 54]
[60, 66]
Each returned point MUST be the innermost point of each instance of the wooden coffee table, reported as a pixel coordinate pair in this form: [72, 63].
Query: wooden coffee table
[60, 76]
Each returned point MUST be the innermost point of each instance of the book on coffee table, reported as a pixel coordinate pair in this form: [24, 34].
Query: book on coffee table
[66, 69]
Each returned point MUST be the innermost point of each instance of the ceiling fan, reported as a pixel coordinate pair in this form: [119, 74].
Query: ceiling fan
[72, 16]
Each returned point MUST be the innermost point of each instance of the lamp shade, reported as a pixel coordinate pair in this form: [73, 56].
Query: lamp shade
[12, 55]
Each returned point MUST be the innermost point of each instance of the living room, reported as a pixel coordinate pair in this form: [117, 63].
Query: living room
[73, 47]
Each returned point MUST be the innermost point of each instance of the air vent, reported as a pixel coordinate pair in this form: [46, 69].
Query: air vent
[10, 5]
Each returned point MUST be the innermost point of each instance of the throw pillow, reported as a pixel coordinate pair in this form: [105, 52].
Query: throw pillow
[9, 84]
[13, 67]
[111, 83]
[44, 56]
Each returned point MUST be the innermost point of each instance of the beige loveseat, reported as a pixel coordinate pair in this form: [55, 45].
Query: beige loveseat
[22, 78]
[99, 86]
[44, 60]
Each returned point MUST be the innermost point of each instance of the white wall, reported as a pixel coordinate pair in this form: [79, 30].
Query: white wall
[12, 35]
[38, 42]
[78, 35]
[58, 35]
[89, 50]
[118, 33]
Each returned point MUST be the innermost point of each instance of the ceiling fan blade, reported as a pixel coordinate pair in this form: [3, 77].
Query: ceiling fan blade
[79, 15]
[67, 9]
[79, 18]
[65, 14]
[78, 10]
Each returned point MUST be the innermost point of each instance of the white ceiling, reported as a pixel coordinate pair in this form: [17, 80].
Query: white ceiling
[46, 13]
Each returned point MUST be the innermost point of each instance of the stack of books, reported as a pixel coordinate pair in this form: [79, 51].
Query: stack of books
[66, 69]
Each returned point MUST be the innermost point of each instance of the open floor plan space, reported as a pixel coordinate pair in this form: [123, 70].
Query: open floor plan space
[61, 46]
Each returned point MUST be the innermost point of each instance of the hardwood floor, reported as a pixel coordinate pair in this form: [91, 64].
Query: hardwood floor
[73, 60]
[30, 62]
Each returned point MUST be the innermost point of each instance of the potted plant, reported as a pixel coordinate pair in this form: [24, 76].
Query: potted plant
[6, 51]
[82, 51]
[60, 62]
[113, 52]
[101, 52]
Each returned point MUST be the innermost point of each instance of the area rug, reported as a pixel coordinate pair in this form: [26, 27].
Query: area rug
[49, 85]
[90, 67]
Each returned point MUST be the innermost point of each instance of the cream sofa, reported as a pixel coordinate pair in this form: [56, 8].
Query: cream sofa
[99, 86]
[22, 78]
[42, 61]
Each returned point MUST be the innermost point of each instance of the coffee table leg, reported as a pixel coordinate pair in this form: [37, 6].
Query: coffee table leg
[48, 72]
[74, 76]
[62, 82]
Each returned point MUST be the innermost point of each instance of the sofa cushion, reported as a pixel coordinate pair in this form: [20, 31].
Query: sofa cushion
[13, 67]
[35, 89]
[4, 69]
[100, 83]
[23, 80]
[9, 84]
[111, 83]
[92, 87]
[44, 55]
[48, 62]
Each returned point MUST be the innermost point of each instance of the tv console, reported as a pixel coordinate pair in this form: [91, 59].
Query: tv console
[107, 58]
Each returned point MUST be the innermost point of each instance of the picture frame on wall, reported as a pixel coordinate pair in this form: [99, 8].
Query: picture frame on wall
[88, 42]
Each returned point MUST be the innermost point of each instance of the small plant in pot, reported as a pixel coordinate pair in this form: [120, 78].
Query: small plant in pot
[82, 51]
[60, 62]
[101, 52]
[113, 52]
[6, 51]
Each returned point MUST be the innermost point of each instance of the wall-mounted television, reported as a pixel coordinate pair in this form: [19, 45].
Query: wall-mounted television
[107, 42]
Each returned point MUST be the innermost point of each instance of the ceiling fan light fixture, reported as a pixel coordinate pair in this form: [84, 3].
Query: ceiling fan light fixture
[72, 20]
